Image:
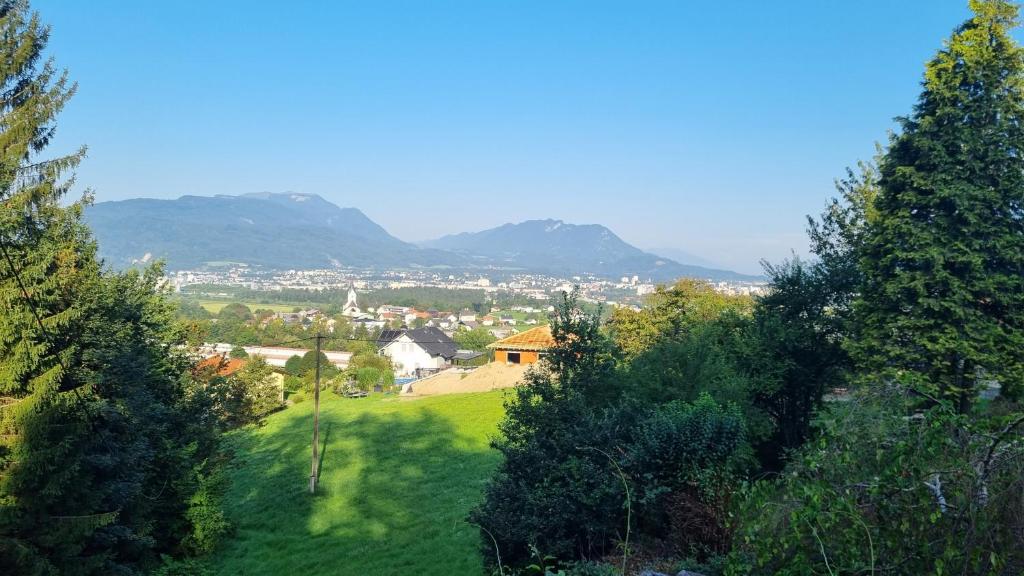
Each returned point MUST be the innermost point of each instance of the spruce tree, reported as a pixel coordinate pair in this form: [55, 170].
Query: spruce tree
[46, 267]
[106, 443]
[942, 302]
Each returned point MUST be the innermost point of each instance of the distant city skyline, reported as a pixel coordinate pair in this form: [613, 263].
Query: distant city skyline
[710, 129]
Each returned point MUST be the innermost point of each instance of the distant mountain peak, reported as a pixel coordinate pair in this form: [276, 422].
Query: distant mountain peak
[559, 247]
[276, 230]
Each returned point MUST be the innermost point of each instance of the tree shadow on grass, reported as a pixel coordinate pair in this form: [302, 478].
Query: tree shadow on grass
[395, 487]
[324, 443]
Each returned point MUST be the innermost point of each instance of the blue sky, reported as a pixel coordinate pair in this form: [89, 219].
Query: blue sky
[710, 127]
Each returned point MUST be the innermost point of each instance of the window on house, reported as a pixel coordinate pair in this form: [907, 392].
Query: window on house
[513, 357]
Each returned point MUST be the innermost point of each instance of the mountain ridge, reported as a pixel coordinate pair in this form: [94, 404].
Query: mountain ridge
[299, 230]
[553, 244]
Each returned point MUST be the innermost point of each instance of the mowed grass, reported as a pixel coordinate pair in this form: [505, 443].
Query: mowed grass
[214, 306]
[397, 480]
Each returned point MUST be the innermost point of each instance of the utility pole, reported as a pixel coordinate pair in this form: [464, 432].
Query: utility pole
[314, 475]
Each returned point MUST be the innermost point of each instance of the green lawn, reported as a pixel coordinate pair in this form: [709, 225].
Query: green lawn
[397, 479]
[214, 306]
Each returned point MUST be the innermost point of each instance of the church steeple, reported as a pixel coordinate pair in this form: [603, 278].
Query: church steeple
[351, 303]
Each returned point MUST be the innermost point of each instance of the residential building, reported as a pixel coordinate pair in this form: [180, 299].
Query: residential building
[417, 352]
[523, 348]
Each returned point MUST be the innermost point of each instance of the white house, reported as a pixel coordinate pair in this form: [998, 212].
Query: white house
[417, 351]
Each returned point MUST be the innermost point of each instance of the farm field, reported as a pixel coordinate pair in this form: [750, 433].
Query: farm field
[397, 480]
[214, 306]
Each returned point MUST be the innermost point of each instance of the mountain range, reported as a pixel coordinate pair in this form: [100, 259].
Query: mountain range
[304, 231]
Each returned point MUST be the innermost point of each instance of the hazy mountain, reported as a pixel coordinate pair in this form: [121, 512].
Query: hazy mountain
[272, 230]
[555, 246]
[682, 256]
[288, 230]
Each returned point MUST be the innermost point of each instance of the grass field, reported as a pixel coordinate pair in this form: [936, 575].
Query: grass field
[397, 479]
[214, 306]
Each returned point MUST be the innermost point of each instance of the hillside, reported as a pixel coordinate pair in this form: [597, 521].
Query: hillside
[557, 246]
[274, 230]
[397, 479]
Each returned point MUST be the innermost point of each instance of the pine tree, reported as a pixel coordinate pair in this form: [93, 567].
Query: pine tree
[942, 304]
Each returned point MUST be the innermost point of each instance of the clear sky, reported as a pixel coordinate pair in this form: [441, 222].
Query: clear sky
[710, 127]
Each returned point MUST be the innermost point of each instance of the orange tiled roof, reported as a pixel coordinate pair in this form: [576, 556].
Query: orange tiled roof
[538, 338]
[223, 366]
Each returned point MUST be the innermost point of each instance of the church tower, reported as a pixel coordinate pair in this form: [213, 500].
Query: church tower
[351, 303]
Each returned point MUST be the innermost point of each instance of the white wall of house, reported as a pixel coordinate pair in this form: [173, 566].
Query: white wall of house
[408, 356]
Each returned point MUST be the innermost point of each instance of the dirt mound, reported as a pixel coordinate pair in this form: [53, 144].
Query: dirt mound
[485, 378]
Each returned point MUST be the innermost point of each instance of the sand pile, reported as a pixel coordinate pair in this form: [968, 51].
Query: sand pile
[487, 377]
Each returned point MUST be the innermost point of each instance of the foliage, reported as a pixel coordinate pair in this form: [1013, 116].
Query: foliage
[476, 339]
[838, 237]
[238, 352]
[261, 386]
[942, 304]
[369, 369]
[294, 365]
[774, 363]
[192, 310]
[878, 492]
[209, 525]
[706, 360]
[181, 567]
[307, 366]
[791, 351]
[569, 444]
[103, 432]
[669, 313]
[245, 396]
[235, 312]
[682, 458]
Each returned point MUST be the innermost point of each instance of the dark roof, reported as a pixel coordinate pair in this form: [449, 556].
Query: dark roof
[386, 336]
[432, 340]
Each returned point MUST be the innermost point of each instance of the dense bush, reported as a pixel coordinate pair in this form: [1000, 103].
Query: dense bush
[245, 396]
[883, 492]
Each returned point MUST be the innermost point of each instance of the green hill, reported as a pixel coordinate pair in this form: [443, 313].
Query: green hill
[397, 479]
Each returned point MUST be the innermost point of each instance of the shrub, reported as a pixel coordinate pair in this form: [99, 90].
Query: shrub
[677, 462]
[682, 461]
[881, 492]
[204, 513]
[367, 378]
